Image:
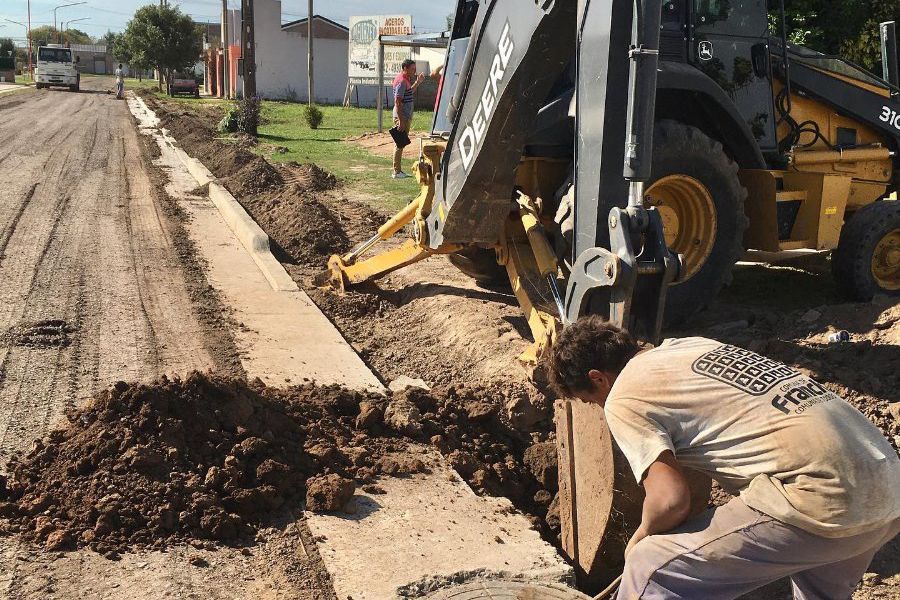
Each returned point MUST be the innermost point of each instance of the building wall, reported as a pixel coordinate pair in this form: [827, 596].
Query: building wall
[281, 60]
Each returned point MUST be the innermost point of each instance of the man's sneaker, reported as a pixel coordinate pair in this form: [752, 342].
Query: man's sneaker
[400, 175]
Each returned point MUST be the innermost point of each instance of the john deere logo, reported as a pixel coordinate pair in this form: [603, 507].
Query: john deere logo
[705, 50]
[364, 32]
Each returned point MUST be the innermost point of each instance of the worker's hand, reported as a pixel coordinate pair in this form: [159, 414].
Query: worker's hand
[420, 77]
[640, 534]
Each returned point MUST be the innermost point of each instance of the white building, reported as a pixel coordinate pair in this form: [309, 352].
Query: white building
[281, 64]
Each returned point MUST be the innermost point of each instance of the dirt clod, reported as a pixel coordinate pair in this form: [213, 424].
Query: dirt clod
[542, 461]
[403, 416]
[328, 493]
[370, 416]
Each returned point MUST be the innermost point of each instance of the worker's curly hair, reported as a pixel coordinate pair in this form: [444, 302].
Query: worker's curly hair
[590, 343]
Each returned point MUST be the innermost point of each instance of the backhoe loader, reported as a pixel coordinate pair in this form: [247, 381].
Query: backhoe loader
[617, 157]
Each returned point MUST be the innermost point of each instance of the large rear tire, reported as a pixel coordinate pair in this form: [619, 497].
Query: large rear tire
[867, 259]
[481, 265]
[695, 187]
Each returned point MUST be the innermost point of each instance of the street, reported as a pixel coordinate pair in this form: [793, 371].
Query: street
[96, 287]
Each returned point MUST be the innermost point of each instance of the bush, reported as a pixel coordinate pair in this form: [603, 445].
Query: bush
[248, 116]
[228, 124]
[313, 116]
[243, 117]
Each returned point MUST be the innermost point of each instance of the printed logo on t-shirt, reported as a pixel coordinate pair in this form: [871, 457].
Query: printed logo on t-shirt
[799, 396]
[743, 369]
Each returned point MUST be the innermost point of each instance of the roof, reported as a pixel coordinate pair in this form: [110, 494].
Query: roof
[301, 24]
[96, 48]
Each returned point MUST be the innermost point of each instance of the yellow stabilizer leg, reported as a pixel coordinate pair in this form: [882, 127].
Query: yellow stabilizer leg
[378, 265]
[347, 269]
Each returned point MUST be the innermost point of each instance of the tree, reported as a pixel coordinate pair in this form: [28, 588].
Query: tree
[7, 47]
[47, 34]
[848, 28]
[161, 37]
[108, 39]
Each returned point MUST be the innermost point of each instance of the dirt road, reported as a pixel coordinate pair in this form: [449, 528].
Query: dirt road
[97, 285]
[91, 287]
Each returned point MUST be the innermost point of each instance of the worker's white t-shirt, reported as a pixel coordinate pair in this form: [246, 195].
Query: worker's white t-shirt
[118, 75]
[785, 444]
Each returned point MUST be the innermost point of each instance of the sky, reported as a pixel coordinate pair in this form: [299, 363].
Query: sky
[105, 15]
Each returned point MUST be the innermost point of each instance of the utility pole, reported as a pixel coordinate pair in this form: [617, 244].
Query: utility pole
[226, 93]
[248, 52]
[309, 52]
[30, 64]
[159, 77]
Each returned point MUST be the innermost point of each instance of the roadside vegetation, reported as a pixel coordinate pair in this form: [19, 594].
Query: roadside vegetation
[284, 127]
[284, 135]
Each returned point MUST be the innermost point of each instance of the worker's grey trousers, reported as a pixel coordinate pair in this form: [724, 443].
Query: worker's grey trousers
[733, 549]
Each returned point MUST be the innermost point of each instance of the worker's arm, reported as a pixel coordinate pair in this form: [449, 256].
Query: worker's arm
[419, 79]
[436, 74]
[667, 499]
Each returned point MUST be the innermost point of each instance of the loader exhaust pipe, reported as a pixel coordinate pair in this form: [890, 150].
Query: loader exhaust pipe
[889, 53]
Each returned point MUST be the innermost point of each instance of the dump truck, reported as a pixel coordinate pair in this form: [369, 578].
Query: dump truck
[55, 67]
[618, 158]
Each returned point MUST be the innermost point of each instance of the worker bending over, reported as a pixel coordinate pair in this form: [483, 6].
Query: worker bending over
[816, 485]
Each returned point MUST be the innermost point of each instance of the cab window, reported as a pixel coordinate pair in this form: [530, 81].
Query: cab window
[55, 55]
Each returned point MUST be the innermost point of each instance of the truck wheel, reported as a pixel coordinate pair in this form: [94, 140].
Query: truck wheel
[867, 259]
[695, 187]
[481, 265]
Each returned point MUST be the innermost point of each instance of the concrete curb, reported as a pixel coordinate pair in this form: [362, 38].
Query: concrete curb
[252, 237]
[247, 231]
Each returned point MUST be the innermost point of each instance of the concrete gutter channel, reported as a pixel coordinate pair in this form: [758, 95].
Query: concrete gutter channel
[424, 532]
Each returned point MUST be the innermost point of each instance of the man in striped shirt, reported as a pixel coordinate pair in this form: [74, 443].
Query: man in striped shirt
[405, 83]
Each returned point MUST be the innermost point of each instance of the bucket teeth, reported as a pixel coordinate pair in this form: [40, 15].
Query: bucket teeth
[333, 277]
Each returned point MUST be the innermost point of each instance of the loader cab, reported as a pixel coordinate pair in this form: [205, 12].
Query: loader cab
[727, 40]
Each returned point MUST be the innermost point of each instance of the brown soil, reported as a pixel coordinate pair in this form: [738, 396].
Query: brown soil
[212, 458]
[379, 144]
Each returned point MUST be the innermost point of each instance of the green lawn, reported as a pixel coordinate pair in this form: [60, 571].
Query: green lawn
[143, 84]
[25, 78]
[361, 171]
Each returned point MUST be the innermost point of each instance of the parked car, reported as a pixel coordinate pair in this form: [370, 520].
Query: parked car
[183, 84]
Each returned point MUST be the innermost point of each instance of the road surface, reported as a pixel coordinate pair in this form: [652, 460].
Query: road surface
[95, 288]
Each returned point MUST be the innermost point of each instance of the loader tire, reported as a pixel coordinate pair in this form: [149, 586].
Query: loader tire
[867, 259]
[481, 265]
[695, 187]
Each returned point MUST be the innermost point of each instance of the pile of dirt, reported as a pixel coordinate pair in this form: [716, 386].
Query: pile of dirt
[303, 228]
[231, 160]
[307, 177]
[212, 458]
[281, 198]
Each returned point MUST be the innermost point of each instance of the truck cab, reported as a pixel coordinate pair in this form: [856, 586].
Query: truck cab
[55, 67]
